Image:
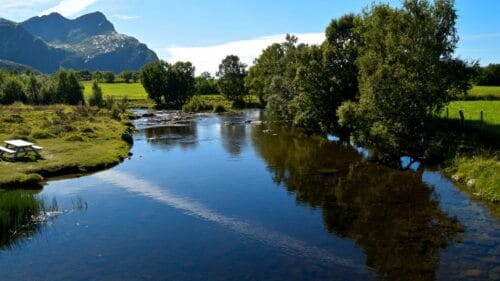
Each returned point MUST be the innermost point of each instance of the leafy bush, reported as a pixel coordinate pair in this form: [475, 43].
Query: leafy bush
[197, 104]
[219, 108]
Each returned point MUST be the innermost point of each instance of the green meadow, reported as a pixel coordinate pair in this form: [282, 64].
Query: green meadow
[74, 140]
[134, 92]
[472, 111]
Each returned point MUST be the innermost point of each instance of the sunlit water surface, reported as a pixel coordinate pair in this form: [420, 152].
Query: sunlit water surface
[221, 199]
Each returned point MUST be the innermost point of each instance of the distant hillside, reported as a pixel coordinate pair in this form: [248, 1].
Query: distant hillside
[11, 66]
[88, 42]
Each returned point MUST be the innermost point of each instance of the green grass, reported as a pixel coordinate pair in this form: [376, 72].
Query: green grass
[472, 111]
[133, 91]
[74, 140]
[482, 93]
[484, 169]
[487, 92]
[481, 163]
[17, 209]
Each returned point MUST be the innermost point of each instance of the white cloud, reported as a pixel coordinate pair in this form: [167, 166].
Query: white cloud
[15, 4]
[69, 7]
[208, 58]
[125, 17]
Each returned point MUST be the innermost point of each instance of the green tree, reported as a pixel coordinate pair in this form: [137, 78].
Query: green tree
[403, 61]
[63, 87]
[489, 75]
[205, 84]
[154, 79]
[180, 83]
[96, 98]
[34, 89]
[13, 91]
[127, 75]
[231, 75]
[108, 76]
[98, 76]
[136, 76]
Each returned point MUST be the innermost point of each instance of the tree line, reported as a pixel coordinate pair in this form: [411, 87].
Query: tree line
[64, 88]
[174, 84]
[384, 75]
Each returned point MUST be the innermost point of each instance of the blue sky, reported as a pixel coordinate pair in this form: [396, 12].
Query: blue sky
[203, 31]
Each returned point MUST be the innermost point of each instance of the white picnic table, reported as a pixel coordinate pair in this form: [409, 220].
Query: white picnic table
[16, 147]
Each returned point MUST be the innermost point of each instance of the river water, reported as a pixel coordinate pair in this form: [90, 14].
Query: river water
[221, 199]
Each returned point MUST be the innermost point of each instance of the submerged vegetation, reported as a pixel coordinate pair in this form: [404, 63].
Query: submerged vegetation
[74, 140]
[18, 210]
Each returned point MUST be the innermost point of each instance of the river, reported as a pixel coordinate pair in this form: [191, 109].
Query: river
[219, 198]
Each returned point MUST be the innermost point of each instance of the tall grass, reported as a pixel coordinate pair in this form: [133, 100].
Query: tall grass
[18, 210]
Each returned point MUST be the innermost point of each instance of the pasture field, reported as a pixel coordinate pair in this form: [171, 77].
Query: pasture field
[482, 93]
[134, 92]
[472, 111]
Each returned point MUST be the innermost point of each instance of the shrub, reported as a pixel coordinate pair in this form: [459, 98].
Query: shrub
[219, 108]
[197, 104]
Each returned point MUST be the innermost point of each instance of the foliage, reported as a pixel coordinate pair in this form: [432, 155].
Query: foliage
[175, 83]
[197, 104]
[12, 91]
[205, 84]
[404, 78]
[108, 76]
[96, 98]
[154, 79]
[64, 87]
[98, 76]
[127, 75]
[489, 75]
[231, 75]
[219, 108]
[306, 84]
[180, 83]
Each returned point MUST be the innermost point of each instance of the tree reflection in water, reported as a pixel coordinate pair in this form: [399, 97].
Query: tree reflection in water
[391, 214]
[169, 137]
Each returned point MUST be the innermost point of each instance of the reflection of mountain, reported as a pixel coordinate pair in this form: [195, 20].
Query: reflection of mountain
[391, 214]
[169, 137]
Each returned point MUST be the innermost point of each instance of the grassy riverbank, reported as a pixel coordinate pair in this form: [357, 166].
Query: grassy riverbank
[74, 140]
[476, 163]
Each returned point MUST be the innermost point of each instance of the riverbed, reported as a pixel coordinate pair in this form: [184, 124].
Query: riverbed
[227, 197]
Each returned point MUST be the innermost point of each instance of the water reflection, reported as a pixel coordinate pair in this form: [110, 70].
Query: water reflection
[234, 137]
[287, 244]
[169, 137]
[391, 214]
[23, 214]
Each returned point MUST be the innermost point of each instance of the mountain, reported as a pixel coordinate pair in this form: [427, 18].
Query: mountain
[19, 46]
[11, 66]
[55, 28]
[88, 42]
